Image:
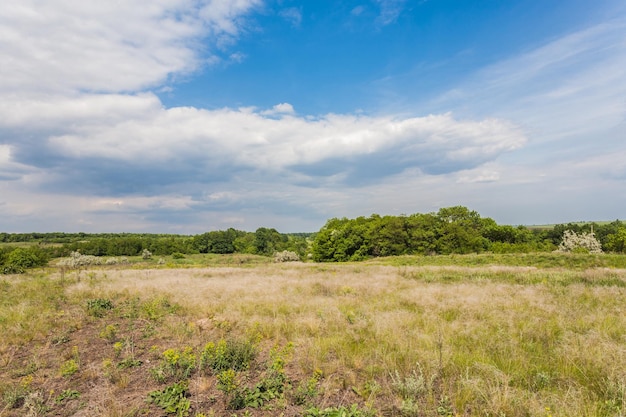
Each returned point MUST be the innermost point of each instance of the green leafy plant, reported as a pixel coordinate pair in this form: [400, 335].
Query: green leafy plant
[173, 399]
[98, 307]
[68, 394]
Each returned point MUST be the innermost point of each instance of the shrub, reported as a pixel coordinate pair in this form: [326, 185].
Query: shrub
[146, 254]
[286, 256]
[20, 259]
[98, 306]
[583, 242]
[77, 260]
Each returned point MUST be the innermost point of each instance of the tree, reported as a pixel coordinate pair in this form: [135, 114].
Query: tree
[460, 231]
[616, 242]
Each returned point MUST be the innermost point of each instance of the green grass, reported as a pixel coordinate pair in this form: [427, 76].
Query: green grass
[538, 260]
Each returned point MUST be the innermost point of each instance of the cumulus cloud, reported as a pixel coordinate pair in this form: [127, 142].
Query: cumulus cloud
[108, 138]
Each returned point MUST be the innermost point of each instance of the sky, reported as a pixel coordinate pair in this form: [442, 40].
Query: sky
[184, 116]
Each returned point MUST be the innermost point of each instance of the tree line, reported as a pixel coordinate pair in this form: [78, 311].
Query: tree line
[451, 230]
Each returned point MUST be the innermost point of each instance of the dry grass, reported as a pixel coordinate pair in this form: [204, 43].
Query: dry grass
[478, 341]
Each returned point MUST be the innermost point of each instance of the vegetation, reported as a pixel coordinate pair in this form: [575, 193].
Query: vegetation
[452, 230]
[450, 335]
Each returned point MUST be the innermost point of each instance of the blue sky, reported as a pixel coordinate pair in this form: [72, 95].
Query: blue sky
[181, 116]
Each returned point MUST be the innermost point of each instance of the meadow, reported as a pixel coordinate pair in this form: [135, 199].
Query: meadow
[238, 335]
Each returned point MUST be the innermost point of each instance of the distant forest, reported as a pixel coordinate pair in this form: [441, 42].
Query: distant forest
[451, 230]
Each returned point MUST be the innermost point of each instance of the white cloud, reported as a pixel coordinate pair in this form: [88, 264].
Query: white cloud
[569, 87]
[64, 45]
[137, 129]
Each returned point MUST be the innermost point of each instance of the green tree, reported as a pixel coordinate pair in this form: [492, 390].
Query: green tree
[267, 241]
[616, 242]
[460, 231]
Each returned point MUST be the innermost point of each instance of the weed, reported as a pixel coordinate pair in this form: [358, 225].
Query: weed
[68, 368]
[109, 332]
[68, 394]
[444, 407]
[98, 307]
[227, 354]
[35, 403]
[307, 390]
[172, 399]
[412, 386]
[176, 364]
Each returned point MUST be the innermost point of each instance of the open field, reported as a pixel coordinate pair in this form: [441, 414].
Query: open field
[409, 336]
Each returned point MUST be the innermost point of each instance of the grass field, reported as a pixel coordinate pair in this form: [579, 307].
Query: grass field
[472, 335]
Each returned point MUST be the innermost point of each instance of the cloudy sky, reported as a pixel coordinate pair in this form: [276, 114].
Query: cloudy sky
[182, 116]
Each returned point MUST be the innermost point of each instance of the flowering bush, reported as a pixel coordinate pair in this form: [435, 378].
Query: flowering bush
[286, 256]
[583, 242]
[77, 259]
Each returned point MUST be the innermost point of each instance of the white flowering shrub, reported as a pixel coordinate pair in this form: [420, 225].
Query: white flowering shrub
[286, 256]
[583, 242]
[77, 259]
[146, 254]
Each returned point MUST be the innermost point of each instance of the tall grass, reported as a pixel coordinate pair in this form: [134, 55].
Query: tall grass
[395, 336]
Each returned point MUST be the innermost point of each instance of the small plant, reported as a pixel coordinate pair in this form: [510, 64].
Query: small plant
[307, 390]
[109, 332]
[231, 354]
[98, 307]
[226, 381]
[146, 254]
[178, 255]
[176, 364]
[35, 404]
[68, 394]
[69, 368]
[173, 399]
[410, 387]
[444, 407]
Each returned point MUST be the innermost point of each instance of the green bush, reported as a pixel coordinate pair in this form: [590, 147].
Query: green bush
[98, 307]
[20, 259]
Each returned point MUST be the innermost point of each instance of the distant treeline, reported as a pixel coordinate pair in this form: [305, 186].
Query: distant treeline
[449, 231]
[263, 241]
